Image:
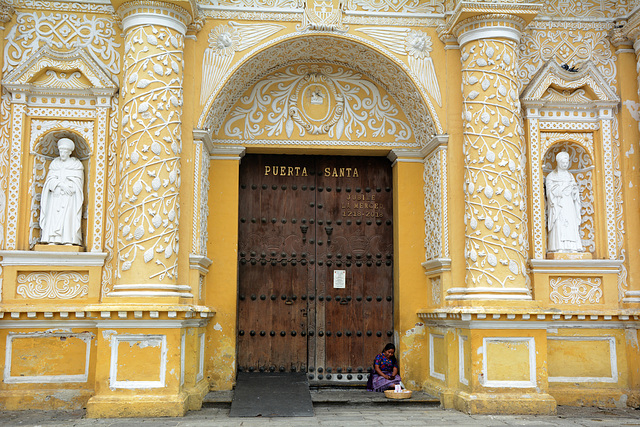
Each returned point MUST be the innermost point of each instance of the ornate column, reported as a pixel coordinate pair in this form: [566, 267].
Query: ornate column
[149, 211]
[494, 162]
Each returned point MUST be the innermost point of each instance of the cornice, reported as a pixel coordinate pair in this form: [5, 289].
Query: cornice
[478, 16]
[174, 14]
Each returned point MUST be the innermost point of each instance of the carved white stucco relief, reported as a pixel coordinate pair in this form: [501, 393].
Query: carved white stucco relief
[575, 290]
[317, 100]
[224, 42]
[52, 285]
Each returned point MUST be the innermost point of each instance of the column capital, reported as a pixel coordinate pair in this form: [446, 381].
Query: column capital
[175, 14]
[473, 20]
[631, 28]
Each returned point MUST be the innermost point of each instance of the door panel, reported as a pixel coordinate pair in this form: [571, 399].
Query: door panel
[301, 219]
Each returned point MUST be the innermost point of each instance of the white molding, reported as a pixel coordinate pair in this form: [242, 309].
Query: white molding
[432, 371]
[202, 136]
[67, 325]
[113, 371]
[46, 258]
[613, 360]
[86, 337]
[145, 18]
[227, 152]
[584, 266]
[461, 367]
[631, 297]
[437, 266]
[200, 373]
[200, 263]
[528, 325]
[149, 324]
[489, 33]
[486, 382]
[487, 293]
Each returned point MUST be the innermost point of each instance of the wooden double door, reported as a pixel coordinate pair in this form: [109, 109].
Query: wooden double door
[315, 264]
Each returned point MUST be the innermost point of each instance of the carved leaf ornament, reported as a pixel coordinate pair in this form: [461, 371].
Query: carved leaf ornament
[494, 164]
[53, 285]
[316, 99]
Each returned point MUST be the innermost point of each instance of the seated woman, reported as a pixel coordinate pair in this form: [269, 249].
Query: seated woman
[385, 370]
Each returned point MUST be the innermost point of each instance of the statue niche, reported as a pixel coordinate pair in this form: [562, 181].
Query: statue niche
[62, 198]
[59, 208]
[569, 202]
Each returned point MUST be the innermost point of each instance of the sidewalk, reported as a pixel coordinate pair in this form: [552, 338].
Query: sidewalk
[339, 415]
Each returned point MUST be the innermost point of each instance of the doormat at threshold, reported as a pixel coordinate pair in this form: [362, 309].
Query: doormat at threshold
[271, 394]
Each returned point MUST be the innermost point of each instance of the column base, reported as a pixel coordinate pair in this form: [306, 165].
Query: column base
[136, 407]
[196, 395]
[505, 403]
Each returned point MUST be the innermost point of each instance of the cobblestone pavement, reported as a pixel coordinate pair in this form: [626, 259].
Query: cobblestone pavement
[336, 415]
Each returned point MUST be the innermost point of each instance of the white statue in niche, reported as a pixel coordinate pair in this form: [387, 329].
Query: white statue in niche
[62, 198]
[563, 208]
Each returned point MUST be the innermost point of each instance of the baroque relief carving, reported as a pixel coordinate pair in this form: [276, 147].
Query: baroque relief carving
[436, 290]
[575, 290]
[494, 165]
[353, 50]
[224, 42]
[315, 100]
[52, 285]
[150, 159]
[62, 31]
[417, 46]
[110, 226]
[433, 208]
[588, 9]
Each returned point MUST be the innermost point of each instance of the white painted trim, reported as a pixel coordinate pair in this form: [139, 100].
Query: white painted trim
[489, 33]
[200, 263]
[151, 18]
[631, 296]
[432, 371]
[486, 293]
[200, 374]
[584, 266]
[86, 337]
[524, 325]
[144, 324]
[113, 371]
[613, 361]
[67, 325]
[437, 266]
[67, 259]
[486, 382]
[183, 343]
[461, 368]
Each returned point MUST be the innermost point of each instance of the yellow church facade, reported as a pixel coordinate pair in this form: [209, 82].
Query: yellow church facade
[286, 185]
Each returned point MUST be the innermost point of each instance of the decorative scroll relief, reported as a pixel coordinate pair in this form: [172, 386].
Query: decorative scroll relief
[66, 6]
[204, 205]
[224, 42]
[576, 290]
[5, 120]
[264, 4]
[44, 150]
[52, 285]
[323, 15]
[13, 189]
[62, 31]
[586, 8]
[432, 207]
[581, 167]
[317, 99]
[150, 155]
[417, 45]
[361, 54]
[566, 47]
[623, 285]
[402, 6]
[110, 226]
[494, 166]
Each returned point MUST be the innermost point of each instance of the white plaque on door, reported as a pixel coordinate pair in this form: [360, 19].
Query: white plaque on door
[339, 279]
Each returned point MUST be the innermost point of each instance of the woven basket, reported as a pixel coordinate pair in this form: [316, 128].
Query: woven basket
[391, 394]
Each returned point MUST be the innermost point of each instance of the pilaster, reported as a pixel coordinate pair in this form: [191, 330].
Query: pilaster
[494, 163]
[149, 213]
